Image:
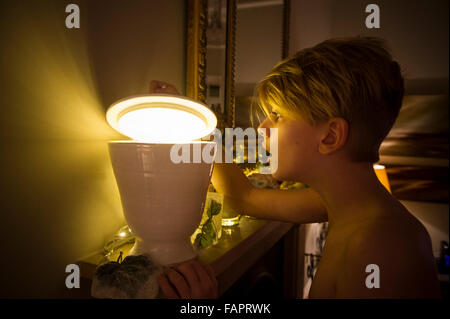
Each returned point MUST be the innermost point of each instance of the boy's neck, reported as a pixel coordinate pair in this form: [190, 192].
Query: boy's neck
[351, 192]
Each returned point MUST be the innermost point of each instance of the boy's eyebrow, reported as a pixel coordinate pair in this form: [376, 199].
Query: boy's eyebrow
[272, 109]
[275, 110]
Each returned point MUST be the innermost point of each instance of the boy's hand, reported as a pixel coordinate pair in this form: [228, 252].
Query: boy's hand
[162, 87]
[189, 280]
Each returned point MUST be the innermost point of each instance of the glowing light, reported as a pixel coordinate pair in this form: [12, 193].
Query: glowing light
[161, 118]
[381, 173]
[152, 125]
[122, 234]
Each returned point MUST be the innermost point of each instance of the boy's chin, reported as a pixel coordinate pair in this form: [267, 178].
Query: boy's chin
[279, 176]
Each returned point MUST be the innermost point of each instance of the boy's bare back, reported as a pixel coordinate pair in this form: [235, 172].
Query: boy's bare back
[391, 239]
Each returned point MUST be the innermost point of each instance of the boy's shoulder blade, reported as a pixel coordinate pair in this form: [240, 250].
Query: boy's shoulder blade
[398, 247]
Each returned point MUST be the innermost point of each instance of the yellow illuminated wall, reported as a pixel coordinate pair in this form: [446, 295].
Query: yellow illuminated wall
[59, 196]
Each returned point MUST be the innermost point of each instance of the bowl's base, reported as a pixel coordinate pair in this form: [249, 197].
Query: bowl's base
[166, 254]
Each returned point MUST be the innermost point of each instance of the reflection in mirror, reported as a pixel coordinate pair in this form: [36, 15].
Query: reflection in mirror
[259, 46]
[216, 32]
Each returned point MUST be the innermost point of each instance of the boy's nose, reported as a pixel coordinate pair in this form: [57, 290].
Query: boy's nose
[263, 128]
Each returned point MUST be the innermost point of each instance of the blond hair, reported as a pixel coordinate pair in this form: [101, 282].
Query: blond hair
[352, 78]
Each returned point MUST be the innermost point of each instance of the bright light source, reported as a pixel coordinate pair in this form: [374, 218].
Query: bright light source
[161, 118]
[381, 173]
[162, 125]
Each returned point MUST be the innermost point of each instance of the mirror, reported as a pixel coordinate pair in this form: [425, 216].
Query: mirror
[210, 56]
[261, 42]
[254, 33]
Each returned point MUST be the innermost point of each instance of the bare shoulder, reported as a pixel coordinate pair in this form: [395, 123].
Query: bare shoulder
[394, 249]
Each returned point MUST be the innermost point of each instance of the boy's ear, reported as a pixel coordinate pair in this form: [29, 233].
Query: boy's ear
[334, 136]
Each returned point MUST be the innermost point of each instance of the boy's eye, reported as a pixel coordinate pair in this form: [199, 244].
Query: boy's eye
[275, 116]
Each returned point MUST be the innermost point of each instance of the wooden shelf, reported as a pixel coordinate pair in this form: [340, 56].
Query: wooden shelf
[239, 247]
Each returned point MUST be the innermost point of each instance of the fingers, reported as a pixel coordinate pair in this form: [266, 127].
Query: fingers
[179, 282]
[155, 85]
[167, 288]
[189, 280]
[189, 273]
[207, 279]
[212, 275]
[162, 87]
[201, 272]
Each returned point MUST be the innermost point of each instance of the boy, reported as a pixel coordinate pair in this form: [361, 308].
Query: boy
[333, 104]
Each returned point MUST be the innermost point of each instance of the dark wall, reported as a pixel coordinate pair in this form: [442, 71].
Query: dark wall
[416, 30]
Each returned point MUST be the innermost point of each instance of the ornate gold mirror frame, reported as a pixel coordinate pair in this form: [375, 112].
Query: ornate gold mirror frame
[196, 51]
[286, 26]
[196, 58]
